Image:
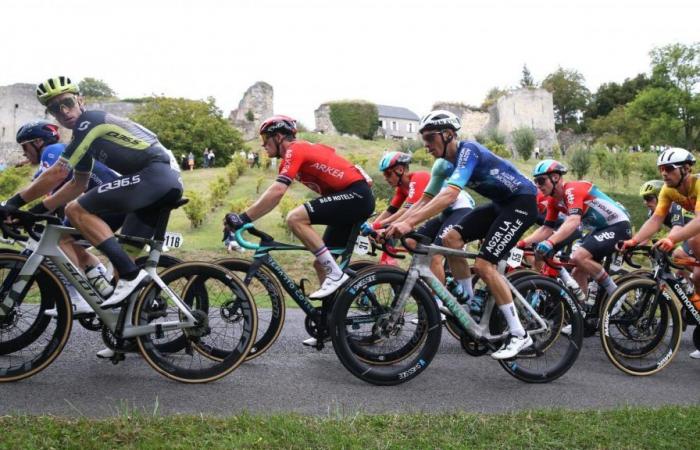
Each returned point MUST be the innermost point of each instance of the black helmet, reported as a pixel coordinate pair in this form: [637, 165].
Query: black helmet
[38, 129]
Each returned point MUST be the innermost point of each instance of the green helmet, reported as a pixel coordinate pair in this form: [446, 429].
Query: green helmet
[652, 187]
[53, 87]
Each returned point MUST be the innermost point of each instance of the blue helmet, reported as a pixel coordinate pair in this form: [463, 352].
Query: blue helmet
[549, 166]
[38, 129]
[392, 159]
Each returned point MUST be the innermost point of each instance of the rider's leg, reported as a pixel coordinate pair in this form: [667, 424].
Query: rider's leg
[586, 267]
[595, 247]
[458, 265]
[694, 247]
[300, 224]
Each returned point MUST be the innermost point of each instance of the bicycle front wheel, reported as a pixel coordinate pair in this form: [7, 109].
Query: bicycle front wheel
[222, 336]
[641, 327]
[556, 348]
[361, 329]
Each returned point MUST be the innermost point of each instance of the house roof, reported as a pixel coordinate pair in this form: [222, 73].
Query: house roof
[396, 112]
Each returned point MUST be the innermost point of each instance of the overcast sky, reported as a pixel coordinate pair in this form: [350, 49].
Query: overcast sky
[402, 53]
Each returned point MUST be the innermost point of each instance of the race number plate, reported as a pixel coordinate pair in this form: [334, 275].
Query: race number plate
[516, 258]
[361, 245]
[173, 240]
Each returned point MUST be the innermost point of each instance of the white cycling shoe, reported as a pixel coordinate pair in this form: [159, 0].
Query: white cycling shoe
[512, 346]
[124, 289]
[80, 306]
[311, 342]
[105, 353]
[329, 286]
[695, 354]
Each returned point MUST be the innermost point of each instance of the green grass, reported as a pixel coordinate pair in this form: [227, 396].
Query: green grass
[632, 428]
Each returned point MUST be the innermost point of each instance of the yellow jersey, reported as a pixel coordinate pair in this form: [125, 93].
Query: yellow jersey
[670, 195]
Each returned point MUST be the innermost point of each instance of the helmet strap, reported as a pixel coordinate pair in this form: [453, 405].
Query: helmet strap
[445, 143]
[683, 175]
[400, 176]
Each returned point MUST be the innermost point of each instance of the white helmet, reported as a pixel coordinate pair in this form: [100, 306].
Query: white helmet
[439, 120]
[675, 155]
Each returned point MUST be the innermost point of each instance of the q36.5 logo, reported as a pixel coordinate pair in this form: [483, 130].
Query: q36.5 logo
[120, 183]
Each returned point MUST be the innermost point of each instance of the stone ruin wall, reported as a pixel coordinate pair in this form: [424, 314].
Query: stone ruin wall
[258, 100]
[322, 116]
[474, 120]
[531, 108]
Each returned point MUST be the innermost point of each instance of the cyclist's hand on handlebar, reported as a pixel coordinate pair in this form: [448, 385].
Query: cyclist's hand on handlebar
[666, 245]
[626, 245]
[544, 248]
[398, 229]
[522, 244]
[366, 229]
[236, 221]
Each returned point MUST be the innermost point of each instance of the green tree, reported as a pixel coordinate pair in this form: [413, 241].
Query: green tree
[610, 96]
[656, 111]
[355, 117]
[677, 66]
[190, 125]
[492, 97]
[526, 80]
[524, 140]
[92, 87]
[570, 96]
[579, 160]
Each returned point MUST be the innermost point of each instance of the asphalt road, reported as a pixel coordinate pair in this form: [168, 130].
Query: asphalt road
[294, 378]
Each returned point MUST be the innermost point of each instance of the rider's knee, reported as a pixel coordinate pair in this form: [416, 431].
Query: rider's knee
[578, 258]
[296, 217]
[453, 239]
[485, 268]
[72, 210]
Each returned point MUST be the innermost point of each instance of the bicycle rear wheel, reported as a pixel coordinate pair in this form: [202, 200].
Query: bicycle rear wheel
[30, 340]
[360, 330]
[269, 299]
[225, 330]
[641, 327]
[553, 352]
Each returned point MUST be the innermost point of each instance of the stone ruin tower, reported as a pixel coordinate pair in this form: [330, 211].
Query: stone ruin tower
[254, 107]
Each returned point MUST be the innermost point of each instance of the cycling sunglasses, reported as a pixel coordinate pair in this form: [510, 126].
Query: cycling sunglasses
[430, 137]
[55, 108]
[648, 198]
[668, 167]
[540, 181]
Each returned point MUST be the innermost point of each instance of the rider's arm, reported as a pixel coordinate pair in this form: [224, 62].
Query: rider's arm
[267, 202]
[651, 226]
[681, 234]
[390, 218]
[439, 203]
[539, 235]
[566, 229]
[46, 182]
[68, 191]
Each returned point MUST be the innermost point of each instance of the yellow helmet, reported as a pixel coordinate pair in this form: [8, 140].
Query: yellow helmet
[53, 87]
[652, 187]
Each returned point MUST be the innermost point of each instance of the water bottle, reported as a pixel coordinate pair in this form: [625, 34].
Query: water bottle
[573, 285]
[592, 292]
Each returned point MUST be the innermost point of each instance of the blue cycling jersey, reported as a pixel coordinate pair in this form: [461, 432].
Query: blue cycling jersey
[494, 178]
[100, 173]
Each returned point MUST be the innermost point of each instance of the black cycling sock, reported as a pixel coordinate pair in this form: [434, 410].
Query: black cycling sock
[119, 258]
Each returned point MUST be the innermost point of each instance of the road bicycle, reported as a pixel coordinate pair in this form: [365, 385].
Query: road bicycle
[193, 323]
[642, 321]
[385, 328]
[268, 281]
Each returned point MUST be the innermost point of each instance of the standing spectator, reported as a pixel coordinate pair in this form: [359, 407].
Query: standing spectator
[190, 160]
[251, 158]
[183, 161]
[537, 153]
[256, 159]
[205, 158]
[242, 154]
[211, 158]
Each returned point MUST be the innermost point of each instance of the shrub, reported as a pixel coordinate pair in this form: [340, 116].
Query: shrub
[496, 136]
[409, 145]
[623, 162]
[288, 203]
[240, 162]
[382, 191]
[498, 149]
[646, 166]
[579, 161]
[422, 157]
[217, 192]
[249, 116]
[195, 209]
[556, 151]
[357, 118]
[12, 179]
[239, 205]
[259, 183]
[232, 173]
[524, 141]
[601, 157]
[360, 160]
[381, 204]
[314, 138]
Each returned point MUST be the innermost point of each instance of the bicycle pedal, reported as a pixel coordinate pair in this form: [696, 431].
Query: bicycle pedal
[117, 358]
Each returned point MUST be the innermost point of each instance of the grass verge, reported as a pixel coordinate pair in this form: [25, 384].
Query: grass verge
[636, 428]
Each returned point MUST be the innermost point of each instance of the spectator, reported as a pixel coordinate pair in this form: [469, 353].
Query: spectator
[537, 153]
[211, 158]
[251, 158]
[183, 161]
[205, 158]
[256, 159]
[190, 160]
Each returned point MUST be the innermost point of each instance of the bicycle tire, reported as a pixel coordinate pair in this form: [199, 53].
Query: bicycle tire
[265, 288]
[423, 337]
[236, 314]
[662, 343]
[34, 348]
[553, 353]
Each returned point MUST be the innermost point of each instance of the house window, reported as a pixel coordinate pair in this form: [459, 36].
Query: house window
[410, 127]
[394, 126]
[382, 124]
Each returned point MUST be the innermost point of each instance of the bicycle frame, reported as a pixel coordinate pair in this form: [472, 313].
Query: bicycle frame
[420, 269]
[47, 248]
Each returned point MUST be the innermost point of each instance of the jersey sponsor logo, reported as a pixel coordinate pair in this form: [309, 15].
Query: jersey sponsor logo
[123, 137]
[493, 172]
[120, 183]
[332, 171]
[569, 193]
[411, 189]
[520, 211]
[83, 125]
[600, 237]
[464, 157]
[503, 236]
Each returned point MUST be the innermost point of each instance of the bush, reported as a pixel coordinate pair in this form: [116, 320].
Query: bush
[556, 151]
[646, 166]
[422, 157]
[259, 183]
[382, 191]
[241, 163]
[360, 160]
[288, 203]
[498, 149]
[579, 161]
[195, 209]
[524, 141]
[314, 138]
[357, 118]
[12, 179]
[217, 192]
[409, 145]
[496, 136]
[623, 161]
[232, 173]
[239, 205]
[601, 156]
